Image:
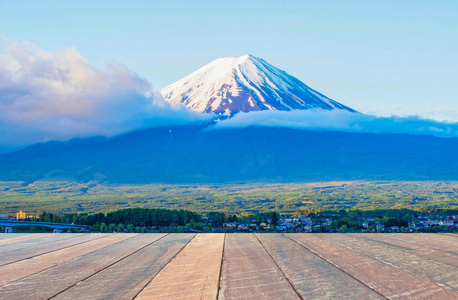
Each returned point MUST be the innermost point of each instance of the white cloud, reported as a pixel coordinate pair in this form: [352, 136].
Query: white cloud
[60, 95]
[339, 120]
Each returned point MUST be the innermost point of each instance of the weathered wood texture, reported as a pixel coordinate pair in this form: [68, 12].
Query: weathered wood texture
[388, 280]
[125, 279]
[450, 234]
[45, 240]
[27, 267]
[433, 241]
[192, 274]
[11, 238]
[410, 261]
[4, 236]
[24, 253]
[232, 266]
[313, 277]
[430, 251]
[248, 272]
[62, 277]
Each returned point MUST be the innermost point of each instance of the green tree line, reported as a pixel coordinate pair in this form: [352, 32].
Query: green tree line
[127, 219]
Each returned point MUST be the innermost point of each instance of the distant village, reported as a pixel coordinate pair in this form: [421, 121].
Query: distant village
[333, 223]
[325, 221]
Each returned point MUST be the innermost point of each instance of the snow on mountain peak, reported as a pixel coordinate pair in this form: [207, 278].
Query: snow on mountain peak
[241, 84]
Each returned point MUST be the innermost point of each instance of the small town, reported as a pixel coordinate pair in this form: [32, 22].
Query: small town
[184, 221]
[327, 224]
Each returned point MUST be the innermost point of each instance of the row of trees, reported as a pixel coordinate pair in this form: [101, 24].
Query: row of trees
[131, 219]
[150, 220]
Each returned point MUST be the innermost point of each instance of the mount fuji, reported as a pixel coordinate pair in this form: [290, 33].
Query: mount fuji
[241, 84]
[203, 152]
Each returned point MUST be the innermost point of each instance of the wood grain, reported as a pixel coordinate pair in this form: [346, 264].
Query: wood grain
[192, 274]
[420, 247]
[50, 282]
[410, 261]
[125, 279]
[45, 240]
[25, 253]
[27, 267]
[232, 266]
[312, 276]
[11, 238]
[388, 280]
[248, 272]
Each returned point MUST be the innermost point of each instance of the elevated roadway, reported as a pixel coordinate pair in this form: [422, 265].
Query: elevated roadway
[9, 224]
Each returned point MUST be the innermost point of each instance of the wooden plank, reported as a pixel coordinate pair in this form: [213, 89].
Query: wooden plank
[20, 237]
[192, 274]
[312, 277]
[445, 236]
[408, 243]
[248, 272]
[24, 268]
[450, 234]
[4, 235]
[431, 240]
[46, 239]
[388, 280]
[50, 282]
[410, 261]
[125, 279]
[24, 253]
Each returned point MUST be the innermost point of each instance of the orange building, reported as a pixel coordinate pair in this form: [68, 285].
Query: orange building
[21, 215]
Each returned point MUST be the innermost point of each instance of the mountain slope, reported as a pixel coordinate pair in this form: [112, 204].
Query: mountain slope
[242, 84]
[194, 154]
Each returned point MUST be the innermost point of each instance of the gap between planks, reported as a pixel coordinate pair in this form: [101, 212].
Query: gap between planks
[53, 266]
[300, 244]
[165, 265]
[221, 267]
[290, 283]
[110, 264]
[29, 257]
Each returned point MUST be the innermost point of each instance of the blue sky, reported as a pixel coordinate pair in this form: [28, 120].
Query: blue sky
[379, 57]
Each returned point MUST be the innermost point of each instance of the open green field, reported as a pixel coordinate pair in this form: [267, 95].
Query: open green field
[89, 197]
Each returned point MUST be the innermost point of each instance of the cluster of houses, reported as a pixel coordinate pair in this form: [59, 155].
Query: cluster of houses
[305, 224]
[285, 223]
[449, 222]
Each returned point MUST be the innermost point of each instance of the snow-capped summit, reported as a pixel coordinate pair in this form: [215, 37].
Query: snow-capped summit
[242, 84]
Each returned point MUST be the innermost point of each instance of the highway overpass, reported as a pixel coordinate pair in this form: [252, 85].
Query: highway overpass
[9, 224]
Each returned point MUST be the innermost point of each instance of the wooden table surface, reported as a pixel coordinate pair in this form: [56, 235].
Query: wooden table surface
[228, 266]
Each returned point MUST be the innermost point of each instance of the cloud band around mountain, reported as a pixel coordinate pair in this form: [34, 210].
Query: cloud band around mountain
[60, 95]
[339, 120]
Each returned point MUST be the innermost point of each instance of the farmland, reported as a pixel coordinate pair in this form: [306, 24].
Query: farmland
[228, 266]
[92, 197]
